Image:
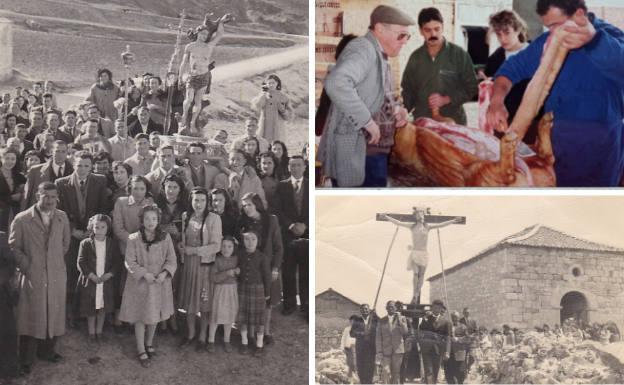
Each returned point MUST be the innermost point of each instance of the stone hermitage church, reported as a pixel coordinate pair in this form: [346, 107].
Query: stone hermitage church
[538, 276]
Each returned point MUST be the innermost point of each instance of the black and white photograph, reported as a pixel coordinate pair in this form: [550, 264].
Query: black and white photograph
[479, 289]
[154, 194]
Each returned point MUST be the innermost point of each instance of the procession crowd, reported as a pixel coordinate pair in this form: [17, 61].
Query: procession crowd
[102, 218]
[391, 349]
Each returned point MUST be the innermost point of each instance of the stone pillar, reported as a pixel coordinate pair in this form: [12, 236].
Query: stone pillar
[6, 49]
[526, 10]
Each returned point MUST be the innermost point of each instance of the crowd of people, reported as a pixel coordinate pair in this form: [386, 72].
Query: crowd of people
[357, 128]
[392, 348]
[106, 220]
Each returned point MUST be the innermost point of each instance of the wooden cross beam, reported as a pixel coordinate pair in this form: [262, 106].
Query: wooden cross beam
[428, 218]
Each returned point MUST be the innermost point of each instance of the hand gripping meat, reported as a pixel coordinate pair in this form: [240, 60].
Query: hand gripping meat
[457, 156]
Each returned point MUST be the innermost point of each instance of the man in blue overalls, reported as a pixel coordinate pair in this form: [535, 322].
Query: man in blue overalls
[587, 98]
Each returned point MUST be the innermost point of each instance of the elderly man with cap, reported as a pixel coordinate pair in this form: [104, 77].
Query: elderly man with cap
[434, 332]
[364, 114]
[439, 76]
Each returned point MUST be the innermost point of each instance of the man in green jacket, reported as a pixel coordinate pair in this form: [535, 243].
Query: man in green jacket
[439, 75]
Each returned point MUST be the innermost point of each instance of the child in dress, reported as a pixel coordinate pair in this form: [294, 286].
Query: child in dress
[253, 292]
[98, 262]
[148, 295]
[225, 297]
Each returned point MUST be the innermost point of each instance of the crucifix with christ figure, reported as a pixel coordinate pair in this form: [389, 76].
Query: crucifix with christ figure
[420, 222]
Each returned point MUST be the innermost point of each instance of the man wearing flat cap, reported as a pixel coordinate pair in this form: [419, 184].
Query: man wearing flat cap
[435, 344]
[439, 76]
[364, 114]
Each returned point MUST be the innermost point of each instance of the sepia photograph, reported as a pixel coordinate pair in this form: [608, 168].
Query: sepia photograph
[469, 289]
[474, 93]
[154, 192]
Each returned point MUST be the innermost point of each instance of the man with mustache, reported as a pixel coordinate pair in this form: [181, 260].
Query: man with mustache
[439, 76]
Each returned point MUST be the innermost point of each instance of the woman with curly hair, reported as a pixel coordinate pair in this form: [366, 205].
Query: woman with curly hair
[281, 154]
[104, 93]
[198, 250]
[12, 183]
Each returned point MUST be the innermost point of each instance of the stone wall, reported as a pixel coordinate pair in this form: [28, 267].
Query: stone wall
[6, 45]
[537, 278]
[523, 286]
[477, 286]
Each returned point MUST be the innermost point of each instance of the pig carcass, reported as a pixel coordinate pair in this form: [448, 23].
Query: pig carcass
[455, 156]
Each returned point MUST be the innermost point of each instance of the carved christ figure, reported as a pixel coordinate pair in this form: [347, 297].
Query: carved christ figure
[418, 257]
[197, 63]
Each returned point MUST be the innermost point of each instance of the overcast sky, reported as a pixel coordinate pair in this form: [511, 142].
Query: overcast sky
[351, 246]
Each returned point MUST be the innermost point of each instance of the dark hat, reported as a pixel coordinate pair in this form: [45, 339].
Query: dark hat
[439, 303]
[389, 15]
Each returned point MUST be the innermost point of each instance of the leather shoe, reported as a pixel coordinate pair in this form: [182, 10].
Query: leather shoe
[54, 358]
[268, 339]
[24, 370]
[288, 310]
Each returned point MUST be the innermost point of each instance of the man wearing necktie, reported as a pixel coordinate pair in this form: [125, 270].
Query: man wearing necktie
[81, 195]
[57, 167]
[390, 343]
[363, 116]
[292, 211]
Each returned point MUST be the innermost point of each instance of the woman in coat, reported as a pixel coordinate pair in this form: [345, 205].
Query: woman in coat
[148, 295]
[126, 221]
[104, 93]
[256, 218]
[274, 108]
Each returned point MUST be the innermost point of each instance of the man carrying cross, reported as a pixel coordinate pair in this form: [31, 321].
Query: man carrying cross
[418, 258]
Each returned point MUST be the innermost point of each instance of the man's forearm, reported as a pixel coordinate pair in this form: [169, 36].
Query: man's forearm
[500, 89]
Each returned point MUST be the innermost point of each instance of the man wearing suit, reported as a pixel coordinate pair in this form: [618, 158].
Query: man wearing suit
[389, 341]
[471, 329]
[364, 331]
[455, 368]
[57, 167]
[81, 195]
[144, 124]
[292, 209]
[166, 158]
[363, 110]
[201, 174]
[435, 344]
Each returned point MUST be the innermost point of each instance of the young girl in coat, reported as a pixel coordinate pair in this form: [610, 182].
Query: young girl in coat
[98, 262]
[148, 296]
[253, 291]
[225, 298]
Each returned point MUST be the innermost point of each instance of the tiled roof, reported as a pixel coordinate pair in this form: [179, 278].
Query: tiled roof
[538, 236]
[542, 236]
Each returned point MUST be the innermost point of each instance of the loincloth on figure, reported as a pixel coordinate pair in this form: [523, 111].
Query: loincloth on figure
[417, 257]
[199, 81]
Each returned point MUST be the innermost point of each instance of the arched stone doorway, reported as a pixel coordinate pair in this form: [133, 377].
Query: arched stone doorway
[574, 305]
